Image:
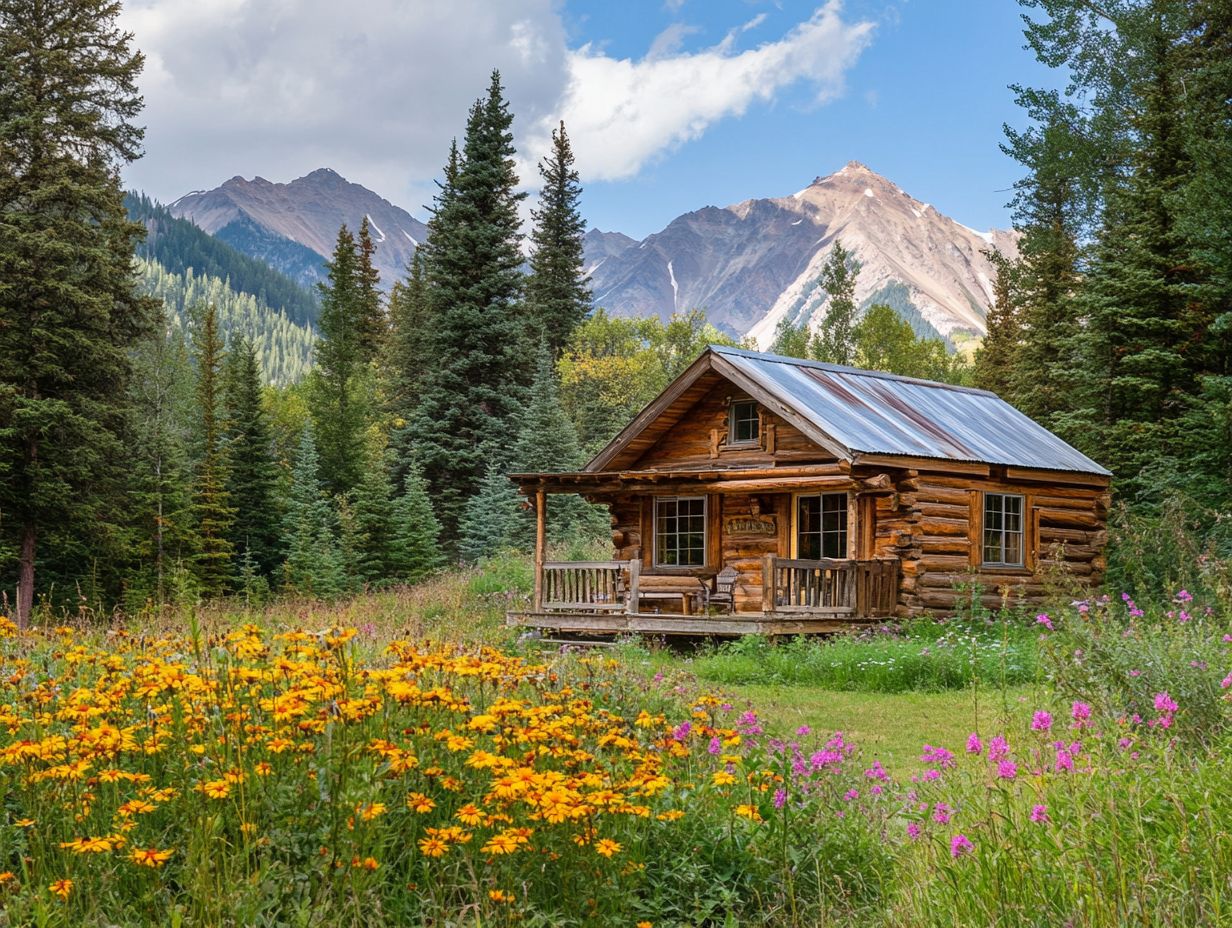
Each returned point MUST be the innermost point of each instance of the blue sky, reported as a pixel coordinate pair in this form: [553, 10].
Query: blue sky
[672, 104]
[923, 105]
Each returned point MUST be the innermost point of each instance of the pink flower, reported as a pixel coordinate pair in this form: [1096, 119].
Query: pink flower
[939, 756]
[998, 748]
[1225, 682]
[1039, 813]
[682, 731]
[877, 772]
[1042, 619]
[715, 745]
[1164, 702]
[974, 745]
[913, 830]
[1064, 761]
[1041, 721]
[851, 794]
[1183, 616]
[780, 798]
[803, 731]
[1184, 596]
[959, 845]
[942, 813]
[1081, 713]
[1007, 770]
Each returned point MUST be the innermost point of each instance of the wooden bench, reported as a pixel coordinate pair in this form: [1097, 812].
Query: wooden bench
[672, 586]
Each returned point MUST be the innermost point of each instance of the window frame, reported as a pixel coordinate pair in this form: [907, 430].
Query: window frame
[848, 524]
[656, 558]
[1003, 532]
[732, 440]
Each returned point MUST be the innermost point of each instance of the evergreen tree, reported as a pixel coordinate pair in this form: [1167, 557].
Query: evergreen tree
[350, 545]
[69, 312]
[416, 532]
[834, 342]
[473, 267]
[310, 529]
[557, 296]
[374, 516]
[371, 324]
[997, 356]
[547, 442]
[214, 512]
[252, 479]
[408, 352]
[491, 521]
[338, 408]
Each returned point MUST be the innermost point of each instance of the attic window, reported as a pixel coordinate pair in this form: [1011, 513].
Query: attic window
[743, 423]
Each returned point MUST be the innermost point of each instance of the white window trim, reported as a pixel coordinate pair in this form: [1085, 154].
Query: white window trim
[654, 528]
[851, 520]
[1021, 533]
[732, 442]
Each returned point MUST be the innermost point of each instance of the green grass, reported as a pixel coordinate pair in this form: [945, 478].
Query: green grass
[890, 727]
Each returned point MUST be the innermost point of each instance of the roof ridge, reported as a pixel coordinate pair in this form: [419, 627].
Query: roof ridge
[843, 369]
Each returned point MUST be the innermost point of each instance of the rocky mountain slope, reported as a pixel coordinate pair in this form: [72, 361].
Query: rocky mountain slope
[293, 226]
[757, 262]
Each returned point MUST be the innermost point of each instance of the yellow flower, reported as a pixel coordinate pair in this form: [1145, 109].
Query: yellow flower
[645, 925]
[136, 807]
[469, 815]
[88, 845]
[722, 778]
[216, 789]
[418, 802]
[433, 847]
[370, 810]
[749, 812]
[150, 857]
[7, 877]
[263, 769]
[61, 888]
[367, 863]
[500, 895]
[607, 847]
[24, 823]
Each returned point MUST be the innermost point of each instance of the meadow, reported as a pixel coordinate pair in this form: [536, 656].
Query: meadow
[401, 758]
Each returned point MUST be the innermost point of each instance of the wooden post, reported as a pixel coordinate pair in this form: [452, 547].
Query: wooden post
[767, 583]
[635, 571]
[541, 533]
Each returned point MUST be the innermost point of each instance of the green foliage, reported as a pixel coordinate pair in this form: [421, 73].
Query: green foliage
[69, 310]
[997, 356]
[472, 262]
[375, 522]
[313, 565]
[791, 341]
[184, 250]
[408, 355]
[557, 295]
[613, 367]
[416, 531]
[213, 504]
[252, 485]
[491, 522]
[884, 341]
[834, 342]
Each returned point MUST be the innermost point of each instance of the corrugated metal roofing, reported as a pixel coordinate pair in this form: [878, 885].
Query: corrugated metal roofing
[875, 413]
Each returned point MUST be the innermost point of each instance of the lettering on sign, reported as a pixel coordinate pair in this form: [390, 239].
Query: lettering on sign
[752, 525]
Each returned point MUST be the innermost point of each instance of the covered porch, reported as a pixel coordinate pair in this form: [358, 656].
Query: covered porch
[718, 551]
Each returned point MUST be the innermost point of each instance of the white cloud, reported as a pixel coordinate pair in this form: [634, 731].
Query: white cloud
[376, 89]
[622, 113]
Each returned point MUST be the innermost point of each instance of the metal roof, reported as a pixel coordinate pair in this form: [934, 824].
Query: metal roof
[875, 413]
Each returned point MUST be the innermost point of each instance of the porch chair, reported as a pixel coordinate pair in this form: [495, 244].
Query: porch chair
[723, 596]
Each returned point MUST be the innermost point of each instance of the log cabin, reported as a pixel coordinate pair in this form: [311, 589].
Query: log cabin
[766, 494]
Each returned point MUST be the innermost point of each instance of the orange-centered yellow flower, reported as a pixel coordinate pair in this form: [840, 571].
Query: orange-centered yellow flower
[150, 857]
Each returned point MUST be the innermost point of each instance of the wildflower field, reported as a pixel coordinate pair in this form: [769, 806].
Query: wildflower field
[260, 773]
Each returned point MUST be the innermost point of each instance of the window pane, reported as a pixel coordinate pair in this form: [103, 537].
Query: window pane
[745, 425]
[680, 532]
[1003, 529]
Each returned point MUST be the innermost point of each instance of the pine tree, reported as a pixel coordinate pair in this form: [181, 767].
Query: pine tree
[68, 98]
[371, 324]
[214, 512]
[834, 342]
[310, 529]
[408, 354]
[547, 442]
[996, 358]
[557, 296]
[491, 522]
[473, 267]
[416, 533]
[338, 408]
[373, 511]
[252, 479]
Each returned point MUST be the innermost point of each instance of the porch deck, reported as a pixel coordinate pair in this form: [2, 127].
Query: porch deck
[798, 597]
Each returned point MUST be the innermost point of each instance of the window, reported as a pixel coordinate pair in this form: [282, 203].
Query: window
[743, 423]
[821, 526]
[680, 531]
[1003, 535]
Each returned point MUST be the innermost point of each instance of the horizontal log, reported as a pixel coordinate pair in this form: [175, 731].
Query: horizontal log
[935, 525]
[944, 544]
[930, 563]
[943, 510]
[1072, 518]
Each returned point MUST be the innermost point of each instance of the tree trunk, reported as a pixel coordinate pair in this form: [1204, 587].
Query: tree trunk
[25, 581]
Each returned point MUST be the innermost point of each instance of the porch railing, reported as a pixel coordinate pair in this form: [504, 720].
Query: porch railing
[859, 588]
[589, 586]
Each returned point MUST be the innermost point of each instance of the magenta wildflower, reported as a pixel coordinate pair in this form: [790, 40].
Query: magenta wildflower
[959, 845]
[803, 731]
[1007, 770]
[1184, 596]
[1042, 619]
[1225, 682]
[851, 794]
[938, 756]
[1164, 702]
[1081, 712]
[681, 732]
[715, 746]
[1064, 761]
[877, 772]
[1039, 813]
[1041, 721]
[942, 813]
[974, 745]
[998, 748]
[913, 830]
[1183, 616]
[932, 774]
[780, 798]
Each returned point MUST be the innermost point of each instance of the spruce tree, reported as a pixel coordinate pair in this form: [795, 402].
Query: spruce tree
[408, 353]
[491, 521]
[416, 532]
[214, 512]
[373, 512]
[310, 529]
[834, 342]
[338, 409]
[473, 266]
[547, 442]
[557, 296]
[371, 324]
[69, 310]
[996, 358]
[252, 478]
